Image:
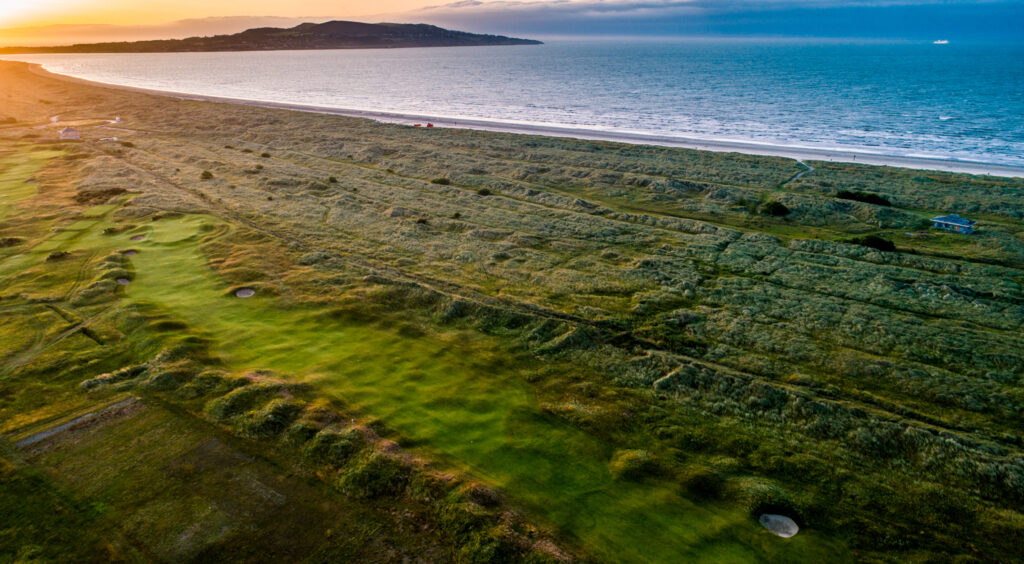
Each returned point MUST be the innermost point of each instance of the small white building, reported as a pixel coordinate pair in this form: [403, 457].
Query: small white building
[70, 134]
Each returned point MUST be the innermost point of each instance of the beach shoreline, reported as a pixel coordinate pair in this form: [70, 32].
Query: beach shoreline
[713, 145]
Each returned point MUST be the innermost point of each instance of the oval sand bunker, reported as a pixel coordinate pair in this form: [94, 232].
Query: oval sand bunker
[138, 237]
[780, 525]
[130, 253]
[123, 281]
[245, 292]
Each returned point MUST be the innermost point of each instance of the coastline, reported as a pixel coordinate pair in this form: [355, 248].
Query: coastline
[425, 299]
[714, 145]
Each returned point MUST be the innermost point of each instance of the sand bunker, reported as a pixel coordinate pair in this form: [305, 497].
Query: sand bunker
[130, 253]
[123, 281]
[245, 292]
[138, 237]
[779, 524]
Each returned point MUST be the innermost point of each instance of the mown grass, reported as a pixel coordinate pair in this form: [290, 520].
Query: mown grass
[456, 395]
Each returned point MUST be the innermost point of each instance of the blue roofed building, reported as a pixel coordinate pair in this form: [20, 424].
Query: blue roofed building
[954, 223]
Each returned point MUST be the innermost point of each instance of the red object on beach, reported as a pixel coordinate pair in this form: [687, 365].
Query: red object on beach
[430, 125]
[417, 125]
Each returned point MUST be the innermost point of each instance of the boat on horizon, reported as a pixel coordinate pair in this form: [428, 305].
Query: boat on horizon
[940, 42]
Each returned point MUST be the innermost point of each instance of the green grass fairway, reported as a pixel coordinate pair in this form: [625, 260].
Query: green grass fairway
[458, 395]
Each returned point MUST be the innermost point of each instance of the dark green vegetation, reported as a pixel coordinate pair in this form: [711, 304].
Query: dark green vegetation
[614, 355]
[327, 35]
[874, 242]
[866, 197]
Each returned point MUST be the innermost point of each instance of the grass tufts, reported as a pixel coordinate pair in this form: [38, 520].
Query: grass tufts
[633, 465]
[376, 476]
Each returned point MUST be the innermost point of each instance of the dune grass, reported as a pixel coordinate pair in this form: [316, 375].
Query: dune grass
[17, 182]
[457, 396]
[613, 340]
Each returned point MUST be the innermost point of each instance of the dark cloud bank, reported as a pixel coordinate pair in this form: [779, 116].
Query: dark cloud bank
[997, 20]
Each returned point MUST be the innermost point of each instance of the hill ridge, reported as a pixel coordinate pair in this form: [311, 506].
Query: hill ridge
[335, 34]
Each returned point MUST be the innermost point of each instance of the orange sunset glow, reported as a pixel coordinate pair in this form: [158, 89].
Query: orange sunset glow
[18, 13]
[50, 22]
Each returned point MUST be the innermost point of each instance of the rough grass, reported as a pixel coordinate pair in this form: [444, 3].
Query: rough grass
[601, 299]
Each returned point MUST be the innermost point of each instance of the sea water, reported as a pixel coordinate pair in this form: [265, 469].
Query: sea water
[955, 101]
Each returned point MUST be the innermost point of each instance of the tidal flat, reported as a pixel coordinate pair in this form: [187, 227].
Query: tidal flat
[242, 333]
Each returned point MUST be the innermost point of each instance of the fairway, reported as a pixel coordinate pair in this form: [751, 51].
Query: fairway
[454, 395]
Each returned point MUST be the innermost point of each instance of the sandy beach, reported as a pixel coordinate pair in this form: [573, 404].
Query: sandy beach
[717, 145]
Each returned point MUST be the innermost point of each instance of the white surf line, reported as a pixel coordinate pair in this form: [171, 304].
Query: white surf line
[666, 140]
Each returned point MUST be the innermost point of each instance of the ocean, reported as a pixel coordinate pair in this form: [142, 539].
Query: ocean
[957, 101]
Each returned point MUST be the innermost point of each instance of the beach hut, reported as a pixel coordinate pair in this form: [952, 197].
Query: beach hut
[70, 134]
[954, 223]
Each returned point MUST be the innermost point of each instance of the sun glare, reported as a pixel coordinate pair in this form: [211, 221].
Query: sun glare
[19, 12]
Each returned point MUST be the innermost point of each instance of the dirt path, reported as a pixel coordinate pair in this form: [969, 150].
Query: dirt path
[797, 175]
[77, 421]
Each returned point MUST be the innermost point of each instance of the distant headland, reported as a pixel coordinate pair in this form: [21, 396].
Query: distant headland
[327, 35]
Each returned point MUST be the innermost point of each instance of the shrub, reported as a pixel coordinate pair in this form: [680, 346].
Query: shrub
[166, 380]
[332, 180]
[206, 175]
[300, 432]
[128, 144]
[265, 155]
[204, 384]
[246, 150]
[749, 204]
[866, 197]
[456, 215]
[874, 242]
[238, 401]
[228, 147]
[331, 448]
[441, 181]
[483, 547]
[632, 465]
[258, 167]
[758, 495]
[484, 192]
[422, 221]
[774, 208]
[703, 482]
[271, 420]
[120, 375]
[377, 476]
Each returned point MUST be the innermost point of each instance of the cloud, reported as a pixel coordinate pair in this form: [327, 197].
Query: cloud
[953, 19]
[826, 18]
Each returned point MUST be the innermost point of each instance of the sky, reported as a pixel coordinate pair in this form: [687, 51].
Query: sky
[36, 22]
